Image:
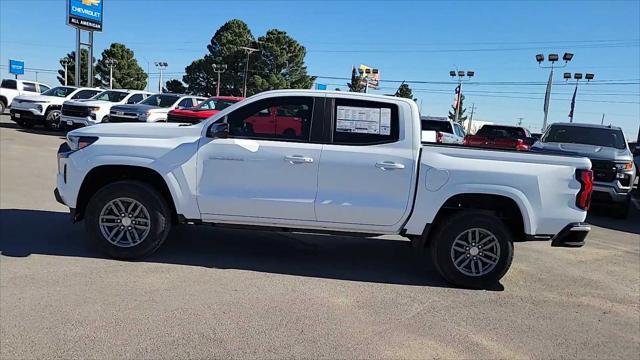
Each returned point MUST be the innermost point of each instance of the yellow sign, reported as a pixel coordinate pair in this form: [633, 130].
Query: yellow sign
[91, 2]
[370, 76]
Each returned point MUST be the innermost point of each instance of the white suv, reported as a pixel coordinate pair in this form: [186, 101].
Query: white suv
[28, 110]
[10, 88]
[78, 113]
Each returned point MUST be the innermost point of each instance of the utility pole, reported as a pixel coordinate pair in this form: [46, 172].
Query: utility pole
[160, 65]
[473, 107]
[220, 68]
[460, 74]
[246, 67]
[65, 62]
[547, 95]
[110, 63]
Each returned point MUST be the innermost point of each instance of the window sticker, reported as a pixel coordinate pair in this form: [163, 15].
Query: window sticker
[363, 120]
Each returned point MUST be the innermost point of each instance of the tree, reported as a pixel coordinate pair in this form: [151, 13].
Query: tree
[224, 48]
[127, 74]
[462, 116]
[280, 64]
[356, 84]
[405, 91]
[71, 68]
[175, 86]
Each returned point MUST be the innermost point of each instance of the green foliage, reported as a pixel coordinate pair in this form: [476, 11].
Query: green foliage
[71, 68]
[405, 91]
[279, 63]
[175, 86]
[127, 74]
[452, 112]
[355, 85]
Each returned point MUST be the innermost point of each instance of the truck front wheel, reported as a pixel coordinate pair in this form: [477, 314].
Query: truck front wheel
[472, 249]
[127, 219]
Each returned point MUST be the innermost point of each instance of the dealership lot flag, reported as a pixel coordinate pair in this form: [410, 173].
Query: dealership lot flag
[456, 98]
[573, 103]
[547, 94]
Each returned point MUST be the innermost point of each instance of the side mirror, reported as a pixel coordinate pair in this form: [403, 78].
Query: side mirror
[219, 130]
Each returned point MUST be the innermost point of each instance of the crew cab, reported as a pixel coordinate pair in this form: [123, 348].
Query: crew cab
[204, 110]
[78, 113]
[152, 109]
[10, 88]
[44, 109]
[357, 166]
[501, 137]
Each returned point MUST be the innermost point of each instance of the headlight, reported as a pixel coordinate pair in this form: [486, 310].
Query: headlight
[624, 166]
[79, 142]
[94, 108]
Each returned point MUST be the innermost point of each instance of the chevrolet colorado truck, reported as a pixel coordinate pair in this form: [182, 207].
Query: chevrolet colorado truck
[152, 109]
[79, 113]
[356, 167]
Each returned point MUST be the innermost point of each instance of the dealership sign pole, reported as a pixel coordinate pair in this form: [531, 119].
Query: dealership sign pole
[84, 15]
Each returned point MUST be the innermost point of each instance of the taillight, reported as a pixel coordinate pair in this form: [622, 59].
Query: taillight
[439, 137]
[520, 145]
[465, 141]
[583, 199]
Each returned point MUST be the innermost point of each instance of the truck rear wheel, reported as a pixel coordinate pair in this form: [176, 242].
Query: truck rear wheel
[128, 219]
[472, 249]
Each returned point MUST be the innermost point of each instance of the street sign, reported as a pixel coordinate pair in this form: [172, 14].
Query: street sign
[85, 14]
[16, 67]
[321, 86]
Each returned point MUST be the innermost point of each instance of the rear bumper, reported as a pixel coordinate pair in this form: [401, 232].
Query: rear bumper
[572, 235]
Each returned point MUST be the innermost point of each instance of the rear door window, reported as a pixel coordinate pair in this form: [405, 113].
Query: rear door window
[9, 84]
[28, 86]
[364, 122]
[434, 125]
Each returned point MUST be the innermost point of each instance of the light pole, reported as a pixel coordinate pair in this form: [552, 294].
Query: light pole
[110, 63]
[160, 65]
[461, 77]
[65, 61]
[246, 67]
[220, 68]
[547, 95]
[577, 77]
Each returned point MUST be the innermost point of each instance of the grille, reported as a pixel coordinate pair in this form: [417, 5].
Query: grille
[121, 119]
[182, 119]
[74, 110]
[603, 170]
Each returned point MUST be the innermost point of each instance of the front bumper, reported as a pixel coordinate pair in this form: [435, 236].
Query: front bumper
[73, 121]
[26, 115]
[610, 193]
[572, 235]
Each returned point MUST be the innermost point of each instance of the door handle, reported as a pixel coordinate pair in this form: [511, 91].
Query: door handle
[298, 159]
[389, 165]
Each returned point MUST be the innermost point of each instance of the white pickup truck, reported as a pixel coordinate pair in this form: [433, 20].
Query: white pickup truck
[355, 164]
[10, 88]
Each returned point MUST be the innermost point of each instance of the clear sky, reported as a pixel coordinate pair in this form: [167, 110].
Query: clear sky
[413, 41]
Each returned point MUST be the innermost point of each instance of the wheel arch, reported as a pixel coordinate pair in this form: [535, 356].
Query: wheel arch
[4, 100]
[103, 175]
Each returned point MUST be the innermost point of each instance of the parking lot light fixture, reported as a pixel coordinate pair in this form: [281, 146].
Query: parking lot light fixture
[577, 76]
[160, 65]
[588, 76]
[461, 77]
[470, 73]
[552, 58]
[567, 76]
[567, 57]
[452, 73]
[539, 58]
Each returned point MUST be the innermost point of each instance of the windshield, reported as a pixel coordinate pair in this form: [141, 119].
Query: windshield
[585, 135]
[216, 104]
[161, 100]
[59, 91]
[112, 96]
[502, 132]
[442, 126]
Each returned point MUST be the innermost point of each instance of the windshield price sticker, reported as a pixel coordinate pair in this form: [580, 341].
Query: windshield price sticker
[364, 120]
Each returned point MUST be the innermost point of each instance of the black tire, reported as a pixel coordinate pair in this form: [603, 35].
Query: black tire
[105, 119]
[52, 120]
[3, 106]
[445, 235]
[621, 210]
[150, 198]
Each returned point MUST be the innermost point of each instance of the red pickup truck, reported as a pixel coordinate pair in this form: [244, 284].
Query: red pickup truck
[204, 110]
[501, 137]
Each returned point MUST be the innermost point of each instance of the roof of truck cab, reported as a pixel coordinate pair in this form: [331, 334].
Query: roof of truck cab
[345, 94]
[597, 126]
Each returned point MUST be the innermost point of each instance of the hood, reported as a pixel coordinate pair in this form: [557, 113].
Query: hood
[87, 102]
[591, 151]
[140, 130]
[200, 114]
[39, 98]
[137, 108]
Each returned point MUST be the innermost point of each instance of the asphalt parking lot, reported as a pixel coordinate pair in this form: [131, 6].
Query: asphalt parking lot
[223, 293]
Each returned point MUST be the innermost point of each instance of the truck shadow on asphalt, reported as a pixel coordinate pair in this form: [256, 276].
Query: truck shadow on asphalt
[389, 261]
[34, 130]
[600, 216]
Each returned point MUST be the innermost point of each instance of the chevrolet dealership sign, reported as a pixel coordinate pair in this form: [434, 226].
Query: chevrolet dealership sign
[85, 14]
